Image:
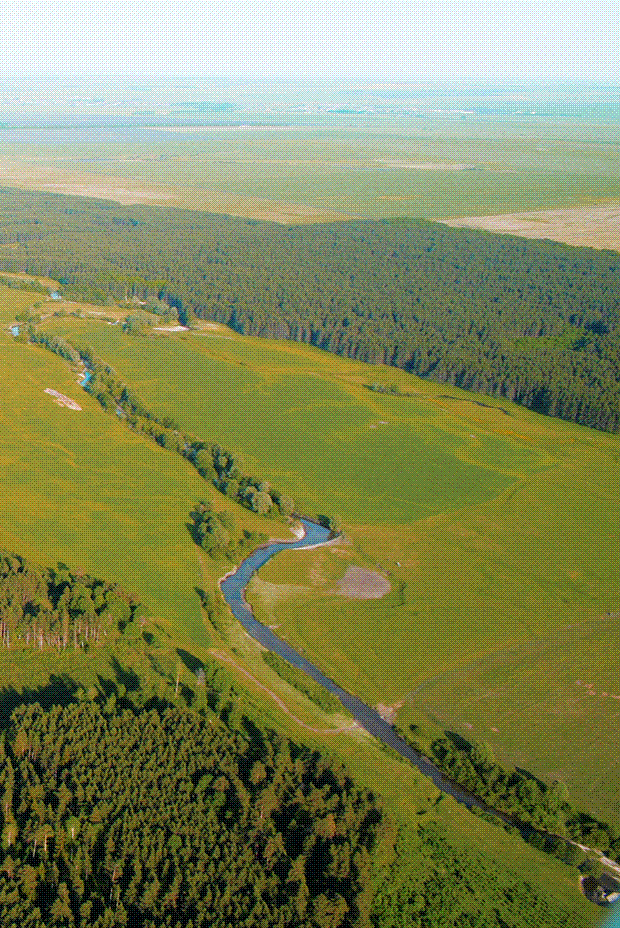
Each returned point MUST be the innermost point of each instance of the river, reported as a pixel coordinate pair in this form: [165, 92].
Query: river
[233, 589]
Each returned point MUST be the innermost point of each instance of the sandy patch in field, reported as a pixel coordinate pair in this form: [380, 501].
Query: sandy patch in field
[170, 328]
[361, 583]
[389, 713]
[63, 400]
[592, 226]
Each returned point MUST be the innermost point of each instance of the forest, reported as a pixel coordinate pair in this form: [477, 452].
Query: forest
[535, 322]
[120, 815]
[123, 806]
[55, 608]
[120, 812]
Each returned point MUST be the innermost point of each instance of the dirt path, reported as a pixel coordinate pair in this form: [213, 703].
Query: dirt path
[318, 731]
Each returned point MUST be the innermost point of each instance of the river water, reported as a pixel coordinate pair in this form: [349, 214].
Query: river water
[233, 590]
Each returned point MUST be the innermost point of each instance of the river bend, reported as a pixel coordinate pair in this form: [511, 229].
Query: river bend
[233, 589]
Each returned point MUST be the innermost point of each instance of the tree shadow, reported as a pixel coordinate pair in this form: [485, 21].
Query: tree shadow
[192, 663]
[125, 676]
[60, 691]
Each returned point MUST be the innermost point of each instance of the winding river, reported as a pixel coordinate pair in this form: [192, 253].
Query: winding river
[233, 589]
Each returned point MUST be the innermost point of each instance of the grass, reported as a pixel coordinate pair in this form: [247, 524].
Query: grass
[407, 462]
[80, 487]
[320, 169]
[496, 530]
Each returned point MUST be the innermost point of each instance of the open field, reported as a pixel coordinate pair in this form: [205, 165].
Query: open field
[80, 487]
[496, 528]
[593, 227]
[314, 169]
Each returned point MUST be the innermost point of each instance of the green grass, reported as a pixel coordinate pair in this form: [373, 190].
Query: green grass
[496, 531]
[407, 460]
[530, 702]
[80, 487]
[348, 168]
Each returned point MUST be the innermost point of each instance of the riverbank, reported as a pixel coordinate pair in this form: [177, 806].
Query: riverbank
[374, 721]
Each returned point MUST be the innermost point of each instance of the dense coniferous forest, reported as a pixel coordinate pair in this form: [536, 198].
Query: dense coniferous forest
[122, 813]
[126, 816]
[535, 322]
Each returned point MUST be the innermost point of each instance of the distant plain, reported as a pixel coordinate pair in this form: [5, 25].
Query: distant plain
[308, 169]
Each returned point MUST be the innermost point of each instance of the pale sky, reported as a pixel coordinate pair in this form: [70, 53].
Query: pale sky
[522, 41]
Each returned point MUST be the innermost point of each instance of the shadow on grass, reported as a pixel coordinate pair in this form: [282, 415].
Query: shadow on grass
[192, 663]
[125, 676]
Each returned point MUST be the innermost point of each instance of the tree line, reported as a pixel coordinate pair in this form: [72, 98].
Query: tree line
[218, 535]
[535, 322]
[520, 795]
[53, 608]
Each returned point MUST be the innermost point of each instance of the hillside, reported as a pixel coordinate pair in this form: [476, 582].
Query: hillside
[130, 523]
[496, 528]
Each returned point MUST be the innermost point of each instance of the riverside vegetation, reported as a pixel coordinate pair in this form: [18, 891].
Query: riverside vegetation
[520, 795]
[423, 855]
[498, 475]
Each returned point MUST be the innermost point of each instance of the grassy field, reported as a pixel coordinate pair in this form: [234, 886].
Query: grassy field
[316, 169]
[433, 481]
[78, 487]
[497, 529]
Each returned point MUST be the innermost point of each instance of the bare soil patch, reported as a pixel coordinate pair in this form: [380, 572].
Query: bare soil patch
[362, 583]
[170, 328]
[63, 400]
[592, 226]
[389, 713]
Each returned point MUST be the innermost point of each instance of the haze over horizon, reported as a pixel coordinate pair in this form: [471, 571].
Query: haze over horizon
[456, 43]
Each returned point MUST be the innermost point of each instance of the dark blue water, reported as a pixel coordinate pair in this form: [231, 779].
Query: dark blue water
[233, 589]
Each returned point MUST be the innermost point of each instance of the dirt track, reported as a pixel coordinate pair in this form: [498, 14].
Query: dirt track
[319, 731]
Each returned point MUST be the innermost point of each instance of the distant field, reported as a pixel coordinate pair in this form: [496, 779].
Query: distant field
[318, 169]
[589, 226]
[497, 529]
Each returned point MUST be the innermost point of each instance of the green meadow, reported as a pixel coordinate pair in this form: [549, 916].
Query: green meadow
[497, 529]
[432, 166]
[451, 500]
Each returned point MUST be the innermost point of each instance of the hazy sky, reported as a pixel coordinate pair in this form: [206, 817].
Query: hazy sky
[441, 41]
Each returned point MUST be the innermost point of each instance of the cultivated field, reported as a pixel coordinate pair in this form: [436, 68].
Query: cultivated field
[588, 226]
